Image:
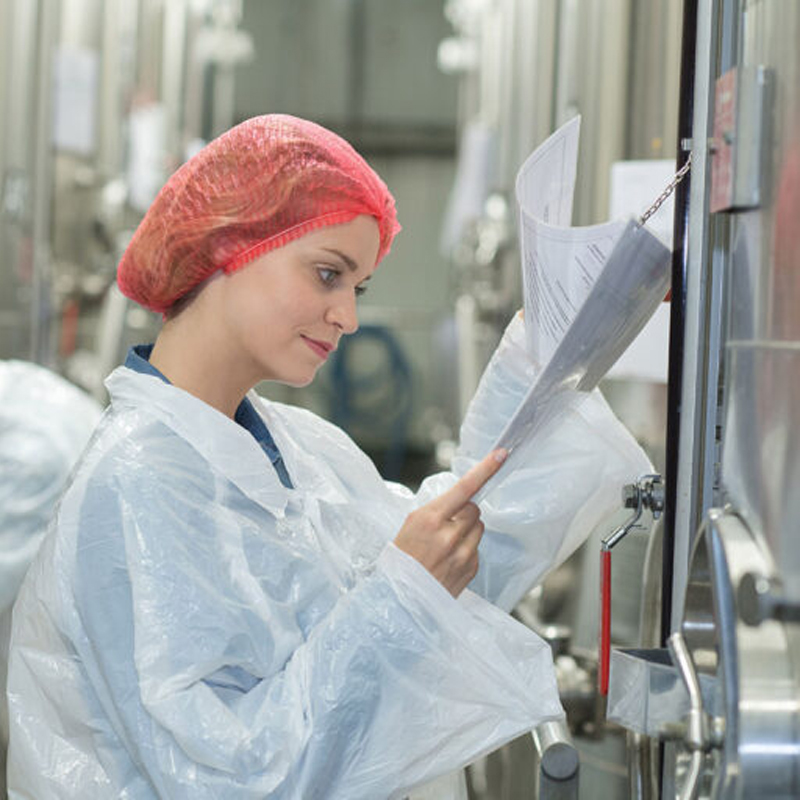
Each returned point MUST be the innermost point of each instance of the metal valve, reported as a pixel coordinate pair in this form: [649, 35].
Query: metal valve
[646, 493]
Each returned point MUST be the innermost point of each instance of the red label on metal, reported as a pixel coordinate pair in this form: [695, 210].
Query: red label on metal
[724, 142]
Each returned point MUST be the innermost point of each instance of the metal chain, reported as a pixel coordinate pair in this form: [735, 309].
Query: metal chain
[679, 176]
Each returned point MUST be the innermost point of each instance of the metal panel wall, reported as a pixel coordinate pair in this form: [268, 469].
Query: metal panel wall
[354, 61]
[743, 588]
[763, 358]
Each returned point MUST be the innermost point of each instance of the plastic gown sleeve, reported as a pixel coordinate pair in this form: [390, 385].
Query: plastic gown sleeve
[570, 481]
[228, 675]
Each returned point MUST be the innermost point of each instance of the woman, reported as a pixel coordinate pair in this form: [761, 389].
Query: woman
[207, 622]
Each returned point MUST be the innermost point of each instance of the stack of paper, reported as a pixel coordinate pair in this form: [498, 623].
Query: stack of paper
[588, 291]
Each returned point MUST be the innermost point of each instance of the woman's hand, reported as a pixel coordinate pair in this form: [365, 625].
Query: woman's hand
[444, 534]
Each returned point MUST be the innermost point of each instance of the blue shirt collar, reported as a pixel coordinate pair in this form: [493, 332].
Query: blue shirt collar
[138, 359]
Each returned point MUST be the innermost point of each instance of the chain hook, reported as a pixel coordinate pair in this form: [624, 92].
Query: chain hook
[659, 201]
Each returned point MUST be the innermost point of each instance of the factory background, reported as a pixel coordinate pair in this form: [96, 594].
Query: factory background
[102, 99]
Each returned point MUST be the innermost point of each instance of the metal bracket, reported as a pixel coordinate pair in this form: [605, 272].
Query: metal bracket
[741, 145]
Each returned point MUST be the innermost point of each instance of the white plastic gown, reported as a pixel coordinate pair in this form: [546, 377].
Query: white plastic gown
[45, 422]
[193, 629]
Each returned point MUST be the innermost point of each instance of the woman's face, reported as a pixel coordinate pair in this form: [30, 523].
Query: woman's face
[287, 310]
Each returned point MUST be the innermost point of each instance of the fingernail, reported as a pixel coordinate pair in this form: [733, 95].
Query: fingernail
[500, 455]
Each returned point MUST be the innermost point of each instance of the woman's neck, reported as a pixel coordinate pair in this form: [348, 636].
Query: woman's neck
[193, 355]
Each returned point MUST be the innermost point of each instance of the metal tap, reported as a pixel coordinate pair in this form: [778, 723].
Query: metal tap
[646, 493]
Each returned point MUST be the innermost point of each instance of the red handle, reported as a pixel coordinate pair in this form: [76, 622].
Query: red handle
[604, 663]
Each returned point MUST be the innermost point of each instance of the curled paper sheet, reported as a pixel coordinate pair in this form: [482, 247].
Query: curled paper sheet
[589, 291]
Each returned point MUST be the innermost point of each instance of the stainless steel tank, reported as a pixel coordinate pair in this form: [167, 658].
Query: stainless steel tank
[737, 563]
[756, 589]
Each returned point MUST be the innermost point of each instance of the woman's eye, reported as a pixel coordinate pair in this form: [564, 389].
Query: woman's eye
[330, 278]
[327, 276]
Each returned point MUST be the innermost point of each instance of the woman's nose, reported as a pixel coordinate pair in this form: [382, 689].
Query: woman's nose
[343, 313]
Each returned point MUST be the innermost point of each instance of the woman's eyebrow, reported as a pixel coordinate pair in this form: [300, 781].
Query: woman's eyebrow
[351, 265]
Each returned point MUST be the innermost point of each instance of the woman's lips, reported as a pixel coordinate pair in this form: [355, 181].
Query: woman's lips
[322, 349]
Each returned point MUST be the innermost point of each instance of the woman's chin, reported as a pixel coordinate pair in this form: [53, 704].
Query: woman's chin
[299, 382]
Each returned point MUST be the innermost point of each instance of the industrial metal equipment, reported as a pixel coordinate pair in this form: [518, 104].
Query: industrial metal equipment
[731, 721]
[559, 767]
[708, 675]
[716, 678]
[101, 101]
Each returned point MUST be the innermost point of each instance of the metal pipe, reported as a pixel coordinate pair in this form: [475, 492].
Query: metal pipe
[678, 307]
[173, 81]
[693, 459]
[356, 65]
[109, 139]
[466, 318]
[558, 772]
[643, 765]
[680, 254]
[643, 752]
[696, 730]
[42, 184]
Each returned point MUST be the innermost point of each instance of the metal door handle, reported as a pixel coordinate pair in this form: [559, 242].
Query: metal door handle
[696, 734]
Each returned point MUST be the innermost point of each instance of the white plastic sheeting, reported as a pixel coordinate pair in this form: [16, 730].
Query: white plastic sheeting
[45, 423]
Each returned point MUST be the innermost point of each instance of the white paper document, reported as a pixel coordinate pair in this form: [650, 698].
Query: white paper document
[559, 264]
[588, 291]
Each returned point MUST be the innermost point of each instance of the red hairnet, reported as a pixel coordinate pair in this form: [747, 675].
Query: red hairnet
[264, 183]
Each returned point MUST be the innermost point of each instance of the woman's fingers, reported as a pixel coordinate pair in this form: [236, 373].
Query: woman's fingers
[449, 503]
[467, 514]
[444, 534]
[471, 537]
[465, 557]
